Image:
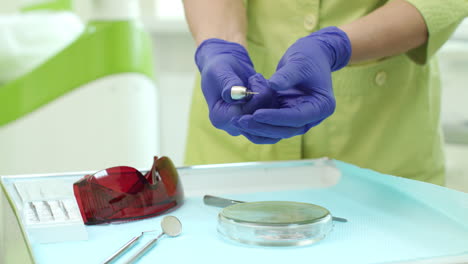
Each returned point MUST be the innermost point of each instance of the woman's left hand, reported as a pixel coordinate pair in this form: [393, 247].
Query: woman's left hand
[304, 88]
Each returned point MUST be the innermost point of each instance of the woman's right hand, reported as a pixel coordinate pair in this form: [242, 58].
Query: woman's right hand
[225, 64]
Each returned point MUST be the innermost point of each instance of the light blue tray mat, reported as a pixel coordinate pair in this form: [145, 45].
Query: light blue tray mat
[390, 219]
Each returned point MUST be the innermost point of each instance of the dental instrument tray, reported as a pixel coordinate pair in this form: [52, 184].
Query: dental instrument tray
[389, 219]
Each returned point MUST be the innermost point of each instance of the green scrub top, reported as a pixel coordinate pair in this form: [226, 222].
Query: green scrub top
[387, 114]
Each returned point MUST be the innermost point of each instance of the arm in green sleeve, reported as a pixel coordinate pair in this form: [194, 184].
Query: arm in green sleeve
[442, 18]
[223, 19]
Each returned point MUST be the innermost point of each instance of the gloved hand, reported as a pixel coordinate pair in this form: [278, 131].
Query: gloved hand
[304, 86]
[224, 64]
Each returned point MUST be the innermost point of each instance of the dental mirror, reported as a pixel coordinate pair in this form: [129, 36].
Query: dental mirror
[170, 225]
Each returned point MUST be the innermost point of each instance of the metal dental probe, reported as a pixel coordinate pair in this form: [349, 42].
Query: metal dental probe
[223, 202]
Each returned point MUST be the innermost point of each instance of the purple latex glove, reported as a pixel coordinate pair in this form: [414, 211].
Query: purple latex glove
[304, 85]
[222, 65]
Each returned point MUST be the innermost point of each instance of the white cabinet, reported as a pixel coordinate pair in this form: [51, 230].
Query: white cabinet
[453, 58]
[457, 166]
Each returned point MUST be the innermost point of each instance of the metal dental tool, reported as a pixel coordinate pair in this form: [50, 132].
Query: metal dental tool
[170, 225]
[128, 245]
[167, 223]
[222, 202]
[240, 92]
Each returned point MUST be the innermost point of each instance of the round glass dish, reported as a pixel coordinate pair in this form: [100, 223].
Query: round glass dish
[275, 223]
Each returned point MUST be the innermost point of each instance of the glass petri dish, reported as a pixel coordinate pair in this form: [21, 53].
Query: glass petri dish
[275, 223]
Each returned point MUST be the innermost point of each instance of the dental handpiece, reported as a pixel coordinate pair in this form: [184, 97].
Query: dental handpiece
[240, 92]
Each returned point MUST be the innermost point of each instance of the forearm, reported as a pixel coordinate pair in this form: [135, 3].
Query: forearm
[223, 19]
[395, 28]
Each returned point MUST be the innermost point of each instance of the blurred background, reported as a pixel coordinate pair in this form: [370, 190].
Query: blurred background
[174, 71]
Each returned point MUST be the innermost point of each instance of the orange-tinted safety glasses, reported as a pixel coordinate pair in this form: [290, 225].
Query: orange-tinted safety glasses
[124, 193]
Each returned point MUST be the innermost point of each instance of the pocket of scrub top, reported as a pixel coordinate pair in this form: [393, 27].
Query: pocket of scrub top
[368, 78]
[389, 110]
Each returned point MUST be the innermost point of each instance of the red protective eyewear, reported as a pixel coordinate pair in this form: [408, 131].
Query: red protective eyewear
[123, 193]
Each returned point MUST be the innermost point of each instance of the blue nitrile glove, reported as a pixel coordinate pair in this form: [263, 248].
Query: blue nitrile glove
[304, 85]
[222, 65]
